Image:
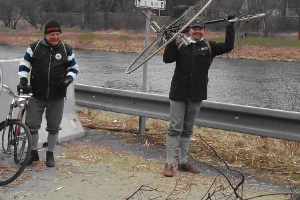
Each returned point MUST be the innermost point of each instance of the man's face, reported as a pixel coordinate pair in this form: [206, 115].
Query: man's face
[196, 33]
[53, 38]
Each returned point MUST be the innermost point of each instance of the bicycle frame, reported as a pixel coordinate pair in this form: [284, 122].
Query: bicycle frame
[17, 101]
[16, 140]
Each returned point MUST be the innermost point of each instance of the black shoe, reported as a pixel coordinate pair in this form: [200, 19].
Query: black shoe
[49, 159]
[34, 157]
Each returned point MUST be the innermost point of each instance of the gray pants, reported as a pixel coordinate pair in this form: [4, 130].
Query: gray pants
[182, 117]
[53, 109]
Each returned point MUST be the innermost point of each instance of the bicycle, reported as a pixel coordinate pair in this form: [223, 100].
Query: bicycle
[16, 140]
[176, 30]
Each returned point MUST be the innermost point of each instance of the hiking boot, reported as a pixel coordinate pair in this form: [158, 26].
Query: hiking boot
[186, 167]
[49, 159]
[168, 171]
[34, 157]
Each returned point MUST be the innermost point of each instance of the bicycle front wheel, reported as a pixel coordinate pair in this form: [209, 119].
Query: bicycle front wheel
[147, 53]
[15, 155]
[168, 33]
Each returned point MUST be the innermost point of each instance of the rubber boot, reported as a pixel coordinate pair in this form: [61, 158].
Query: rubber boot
[49, 159]
[34, 157]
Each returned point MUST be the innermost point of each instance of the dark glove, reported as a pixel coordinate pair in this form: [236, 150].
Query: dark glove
[172, 44]
[179, 42]
[65, 82]
[23, 83]
[169, 35]
[231, 16]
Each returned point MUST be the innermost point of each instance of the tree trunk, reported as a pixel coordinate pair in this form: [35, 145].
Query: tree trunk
[284, 7]
[106, 16]
[265, 31]
[299, 27]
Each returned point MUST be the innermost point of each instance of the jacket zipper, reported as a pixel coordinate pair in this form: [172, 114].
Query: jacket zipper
[48, 90]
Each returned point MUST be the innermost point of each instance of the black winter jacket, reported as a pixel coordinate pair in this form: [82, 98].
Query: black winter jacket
[192, 65]
[49, 66]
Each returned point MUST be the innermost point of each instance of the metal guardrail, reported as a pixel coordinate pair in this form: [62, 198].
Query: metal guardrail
[244, 119]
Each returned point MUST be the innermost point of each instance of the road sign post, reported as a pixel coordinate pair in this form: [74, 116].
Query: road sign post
[149, 4]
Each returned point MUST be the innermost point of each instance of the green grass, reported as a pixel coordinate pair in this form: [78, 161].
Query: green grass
[2, 42]
[125, 37]
[86, 37]
[4, 31]
[76, 30]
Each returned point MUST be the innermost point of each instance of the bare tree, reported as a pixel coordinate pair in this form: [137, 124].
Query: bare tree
[30, 10]
[9, 14]
[78, 6]
[284, 7]
[263, 6]
[295, 6]
[107, 6]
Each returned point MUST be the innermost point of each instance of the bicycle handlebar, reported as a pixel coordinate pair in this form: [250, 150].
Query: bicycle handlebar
[6, 89]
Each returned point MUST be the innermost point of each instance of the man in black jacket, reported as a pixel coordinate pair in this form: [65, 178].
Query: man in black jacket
[189, 88]
[51, 65]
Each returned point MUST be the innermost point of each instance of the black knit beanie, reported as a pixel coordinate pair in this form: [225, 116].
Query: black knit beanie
[52, 26]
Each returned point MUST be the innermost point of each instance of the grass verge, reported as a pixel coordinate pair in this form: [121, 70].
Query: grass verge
[270, 159]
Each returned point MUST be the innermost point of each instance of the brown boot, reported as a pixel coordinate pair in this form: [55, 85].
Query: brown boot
[186, 167]
[168, 171]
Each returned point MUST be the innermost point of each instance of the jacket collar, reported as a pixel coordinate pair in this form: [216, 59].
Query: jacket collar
[193, 41]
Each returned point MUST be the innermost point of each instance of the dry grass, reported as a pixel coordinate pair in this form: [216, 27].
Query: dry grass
[272, 159]
[78, 153]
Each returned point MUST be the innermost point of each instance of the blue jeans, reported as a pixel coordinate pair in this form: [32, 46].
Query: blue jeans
[53, 109]
[182, 117]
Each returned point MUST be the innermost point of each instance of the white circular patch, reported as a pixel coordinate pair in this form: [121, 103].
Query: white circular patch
[58, 56]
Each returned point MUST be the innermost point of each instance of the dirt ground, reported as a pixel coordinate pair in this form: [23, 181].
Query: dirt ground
[105, 166]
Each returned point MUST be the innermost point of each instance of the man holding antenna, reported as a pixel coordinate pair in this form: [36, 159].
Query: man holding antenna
[189, 88]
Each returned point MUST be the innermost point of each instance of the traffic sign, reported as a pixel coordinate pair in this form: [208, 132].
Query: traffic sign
[154, 4]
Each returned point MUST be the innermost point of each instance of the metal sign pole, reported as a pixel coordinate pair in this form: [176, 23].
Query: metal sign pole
[142, 120]
[154, 4]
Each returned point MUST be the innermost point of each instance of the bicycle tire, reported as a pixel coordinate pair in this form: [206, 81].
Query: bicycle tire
[140, 59]
[176, 27]
[4, 140]
[14, 159]
[19, 117]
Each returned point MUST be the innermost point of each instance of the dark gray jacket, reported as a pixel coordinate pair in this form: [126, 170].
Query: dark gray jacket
[49, 67]
[192, 65]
